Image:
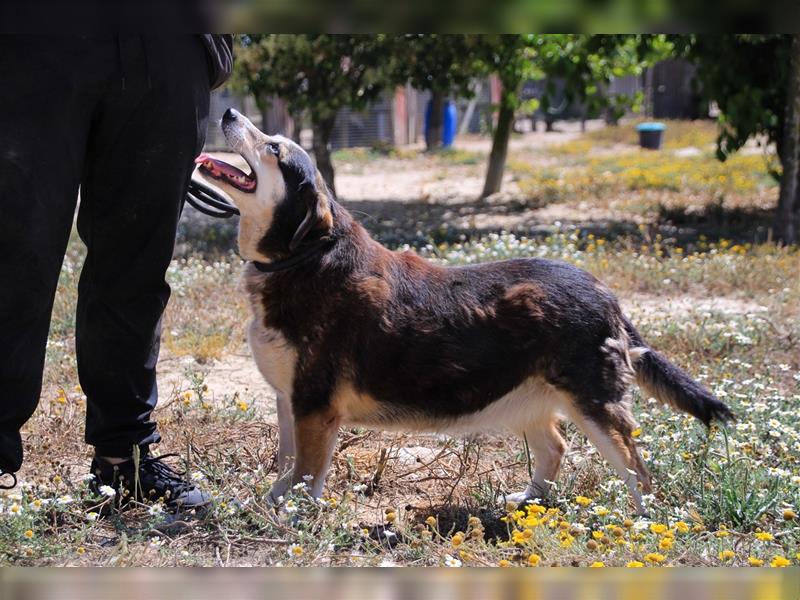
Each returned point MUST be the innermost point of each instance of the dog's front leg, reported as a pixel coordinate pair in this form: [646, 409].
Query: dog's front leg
[285, 435]
[315, 439]
[285, 449]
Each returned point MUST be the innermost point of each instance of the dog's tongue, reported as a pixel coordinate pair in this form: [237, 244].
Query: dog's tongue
[216, 165]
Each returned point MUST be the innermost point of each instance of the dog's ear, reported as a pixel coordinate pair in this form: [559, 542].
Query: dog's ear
[318, 214]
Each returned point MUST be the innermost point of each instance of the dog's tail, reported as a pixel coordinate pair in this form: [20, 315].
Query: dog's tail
[671, 385]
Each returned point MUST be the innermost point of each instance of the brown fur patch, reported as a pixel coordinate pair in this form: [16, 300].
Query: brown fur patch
[353, 407]
[375, 290]
[525, 298]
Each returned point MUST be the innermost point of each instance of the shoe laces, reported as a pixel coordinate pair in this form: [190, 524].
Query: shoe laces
[163, 473]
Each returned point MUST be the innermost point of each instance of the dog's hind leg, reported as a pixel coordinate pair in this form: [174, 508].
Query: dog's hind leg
[609, 426]
[548, 447]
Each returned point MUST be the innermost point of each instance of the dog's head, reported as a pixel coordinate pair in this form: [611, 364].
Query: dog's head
[283, 201]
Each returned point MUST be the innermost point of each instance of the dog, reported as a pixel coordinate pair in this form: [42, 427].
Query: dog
[350, 333]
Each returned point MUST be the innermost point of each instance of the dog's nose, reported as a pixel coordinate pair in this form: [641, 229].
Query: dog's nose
[230, 115]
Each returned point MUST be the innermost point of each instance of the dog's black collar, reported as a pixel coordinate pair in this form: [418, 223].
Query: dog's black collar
[294, 259]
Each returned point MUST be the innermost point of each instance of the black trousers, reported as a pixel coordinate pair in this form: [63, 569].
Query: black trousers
[121, 118]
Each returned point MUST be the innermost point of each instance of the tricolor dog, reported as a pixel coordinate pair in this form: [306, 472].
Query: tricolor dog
[350, 333]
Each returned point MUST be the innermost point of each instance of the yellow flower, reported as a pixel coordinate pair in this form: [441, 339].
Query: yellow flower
[654, 557]
[504, 563]
[534, 559]
[763, 536]
[636, 432]
[391, 516]
[627, 523]
[536, 509]
[727, 555]
[28, 534]
[682, 527]
[583, 500]
[666, 543]
[754, 562]
[789, 514]
[635, 564]
[241, 405]
[779, 561]
[80, 550]
[431, 521]
[658, 528]
[458, 539]
[597, 565]
[295, 550]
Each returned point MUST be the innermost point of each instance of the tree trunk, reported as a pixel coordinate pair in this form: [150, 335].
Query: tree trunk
[433, 137]
[322, 128]
[497, 158]
[787, 216]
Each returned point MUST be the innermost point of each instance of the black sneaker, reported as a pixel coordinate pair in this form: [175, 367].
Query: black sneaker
[156, 482]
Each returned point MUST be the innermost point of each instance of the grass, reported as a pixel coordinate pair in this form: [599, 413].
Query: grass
[678, 134]
[727, 310]
[600, 176]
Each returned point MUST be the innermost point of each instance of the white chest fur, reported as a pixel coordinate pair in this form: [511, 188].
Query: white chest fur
[274, 355]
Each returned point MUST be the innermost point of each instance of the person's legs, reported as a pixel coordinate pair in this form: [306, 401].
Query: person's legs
[138, 163]
[50, 87]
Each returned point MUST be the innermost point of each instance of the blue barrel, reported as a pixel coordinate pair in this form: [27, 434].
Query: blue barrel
[449, 122]
[651, 135]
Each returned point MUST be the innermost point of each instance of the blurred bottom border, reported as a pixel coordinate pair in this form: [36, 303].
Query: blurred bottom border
[395, 584]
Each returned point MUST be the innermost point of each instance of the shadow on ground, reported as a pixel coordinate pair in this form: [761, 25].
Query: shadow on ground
[418, 223]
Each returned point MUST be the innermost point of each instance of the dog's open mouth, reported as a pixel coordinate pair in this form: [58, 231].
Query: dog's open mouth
[219, 169]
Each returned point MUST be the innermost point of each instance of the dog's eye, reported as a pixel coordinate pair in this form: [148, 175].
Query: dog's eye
[273, 148]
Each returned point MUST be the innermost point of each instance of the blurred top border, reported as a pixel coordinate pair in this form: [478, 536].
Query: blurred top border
[372, 16]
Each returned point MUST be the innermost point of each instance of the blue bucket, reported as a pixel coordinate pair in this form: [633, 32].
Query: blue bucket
[651, 135]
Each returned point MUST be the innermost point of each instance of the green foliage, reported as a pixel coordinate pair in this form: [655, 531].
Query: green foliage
[315, 73]
[741, 493]
[746, 75]
[589, 63]
[437, 62]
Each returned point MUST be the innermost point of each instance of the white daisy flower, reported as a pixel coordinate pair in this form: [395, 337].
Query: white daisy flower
[449, 561]
[107, 491]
